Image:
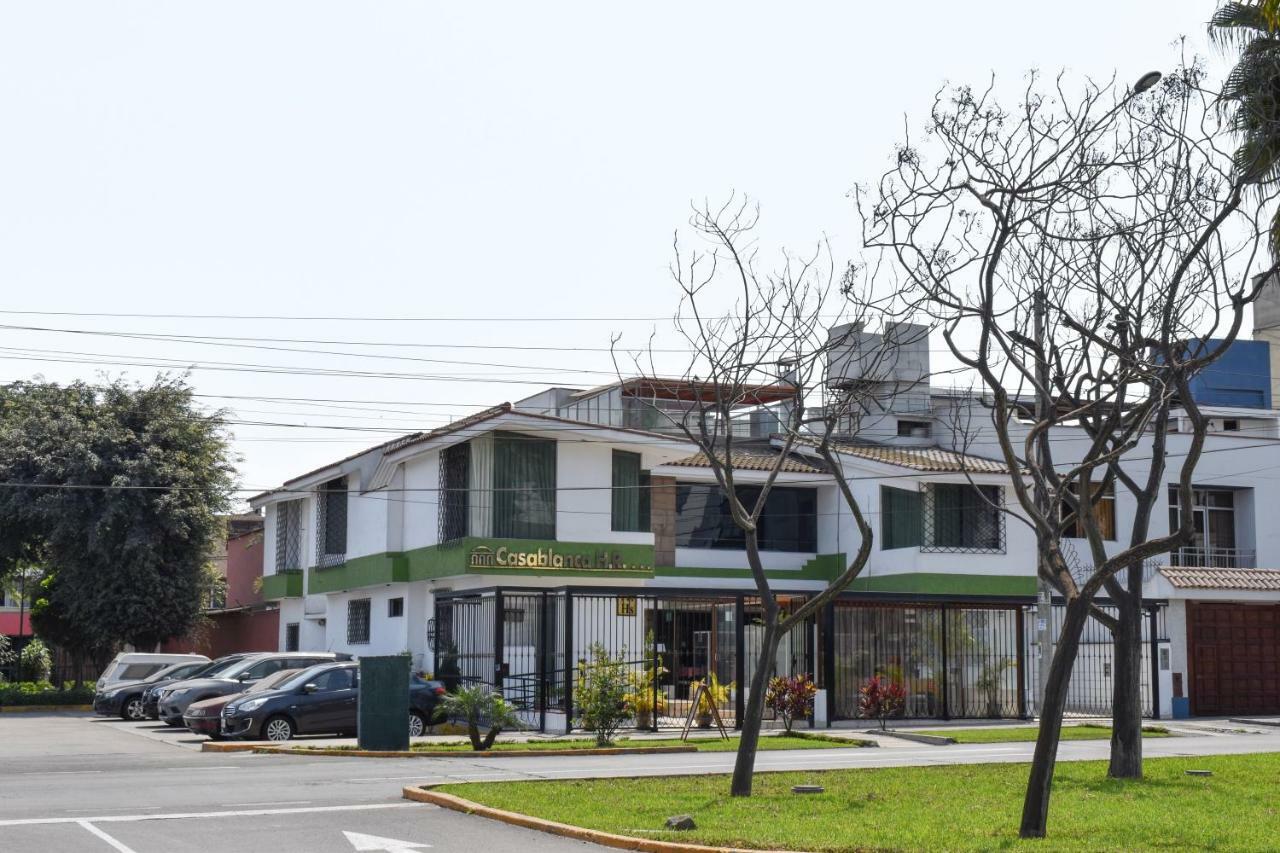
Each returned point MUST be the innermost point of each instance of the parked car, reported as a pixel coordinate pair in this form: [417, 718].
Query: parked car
[321, 700]
[124, 699]
[175, 698]
[135, 666]
[151, 696]
[205, 717]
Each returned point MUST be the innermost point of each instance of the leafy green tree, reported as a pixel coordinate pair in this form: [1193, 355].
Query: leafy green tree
[115, 491]
[602, 691]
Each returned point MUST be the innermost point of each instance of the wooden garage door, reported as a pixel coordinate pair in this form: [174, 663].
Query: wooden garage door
[1235, 658]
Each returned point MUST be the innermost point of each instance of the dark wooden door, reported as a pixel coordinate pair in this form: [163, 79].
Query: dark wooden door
[1235, 658]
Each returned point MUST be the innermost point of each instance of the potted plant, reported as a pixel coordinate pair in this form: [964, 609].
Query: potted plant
[715, 696]
[642, 699]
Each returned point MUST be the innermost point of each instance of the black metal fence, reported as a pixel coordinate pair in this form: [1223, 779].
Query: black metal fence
[953, 661]
[974, 660]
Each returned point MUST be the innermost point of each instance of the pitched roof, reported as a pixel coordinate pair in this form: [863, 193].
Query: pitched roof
[1187, 577]
[932, 459]
[754, 460]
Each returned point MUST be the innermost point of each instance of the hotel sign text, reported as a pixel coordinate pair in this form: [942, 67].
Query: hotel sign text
[484, 557]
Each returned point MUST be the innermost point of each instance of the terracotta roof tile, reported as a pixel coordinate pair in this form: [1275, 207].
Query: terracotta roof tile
[933, 459]
[754, 460]
[1187, 577]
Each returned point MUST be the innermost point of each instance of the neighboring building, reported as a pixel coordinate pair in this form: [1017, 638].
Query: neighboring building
[241, 620]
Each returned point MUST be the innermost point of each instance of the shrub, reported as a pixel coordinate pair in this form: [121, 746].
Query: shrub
[601, 694]
[790, 698]
[880, 699]
[478, 706]
[643, 698]
[35, 661]
[44, 693]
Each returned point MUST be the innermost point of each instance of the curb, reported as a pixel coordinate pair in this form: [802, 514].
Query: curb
[578, 833]
[375, 753]
[932, 740]
[220, 746]
[22, 709]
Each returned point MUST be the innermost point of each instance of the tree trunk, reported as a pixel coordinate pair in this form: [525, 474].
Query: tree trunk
[1035, 807]
[1126, 699]
[753, 716]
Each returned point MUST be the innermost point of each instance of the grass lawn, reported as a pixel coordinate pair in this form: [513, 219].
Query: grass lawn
[793, 741]
[963, 807]
[1024, 733]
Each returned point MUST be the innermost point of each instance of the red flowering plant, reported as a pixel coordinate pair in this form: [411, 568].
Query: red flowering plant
[790, 698]
[880, 699]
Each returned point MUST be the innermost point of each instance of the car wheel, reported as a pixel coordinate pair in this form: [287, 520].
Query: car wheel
[277, 728]
[417, 724]
[132, 710]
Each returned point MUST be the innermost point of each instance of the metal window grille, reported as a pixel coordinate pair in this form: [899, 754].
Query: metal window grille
[963, 518]
[331, 523]
[455, 467]
[358, 621]
[291, 632]
[289, 536]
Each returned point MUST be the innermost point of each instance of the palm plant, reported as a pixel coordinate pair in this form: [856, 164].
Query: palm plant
[1253, 87]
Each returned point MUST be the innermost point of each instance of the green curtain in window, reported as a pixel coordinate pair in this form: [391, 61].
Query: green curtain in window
[627, 493]
[524, 482]
[900, 518]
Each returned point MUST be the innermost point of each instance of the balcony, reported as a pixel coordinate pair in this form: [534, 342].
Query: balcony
[1214, 558]
[285, 584]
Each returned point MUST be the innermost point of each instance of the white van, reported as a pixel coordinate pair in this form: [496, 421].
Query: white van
[135, 666]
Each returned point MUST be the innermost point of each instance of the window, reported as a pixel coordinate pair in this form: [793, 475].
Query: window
[291, 632]
[962, 517]
[789, 521]
[335, 679]
[358, 621]
[395, 607]
[899, 518]
[630, 494]
[262, 669]
[455, 479]
[524, 483]
[137, 671]
[331, 523]
[289, 536]
[1104, 508]
[913, 429]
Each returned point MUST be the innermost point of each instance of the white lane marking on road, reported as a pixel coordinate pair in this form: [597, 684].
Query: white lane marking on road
[107, 838]
[61, 772]
[202, 767]
[134, 818]
[362, 842]
[275, 803]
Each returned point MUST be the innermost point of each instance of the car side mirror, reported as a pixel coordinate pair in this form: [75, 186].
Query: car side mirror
[310, 688]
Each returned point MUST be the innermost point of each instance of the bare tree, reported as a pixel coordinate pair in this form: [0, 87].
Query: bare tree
[1086, 254]
[761, 338]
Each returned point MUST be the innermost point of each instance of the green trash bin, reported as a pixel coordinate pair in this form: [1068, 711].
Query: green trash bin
[384, 703]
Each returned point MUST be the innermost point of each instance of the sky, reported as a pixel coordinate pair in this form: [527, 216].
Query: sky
[483, 178]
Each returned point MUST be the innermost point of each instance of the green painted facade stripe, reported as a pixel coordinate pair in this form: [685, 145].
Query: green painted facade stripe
[451, 560]
[282, 585]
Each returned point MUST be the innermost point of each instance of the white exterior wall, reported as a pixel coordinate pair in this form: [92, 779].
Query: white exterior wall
[387, 635]
[420, 509]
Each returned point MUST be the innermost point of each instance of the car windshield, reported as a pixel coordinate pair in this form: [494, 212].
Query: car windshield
[272, 682]
[220, 668]
[177, 670]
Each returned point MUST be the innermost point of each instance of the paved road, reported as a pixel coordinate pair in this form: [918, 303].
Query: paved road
[71, 782]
